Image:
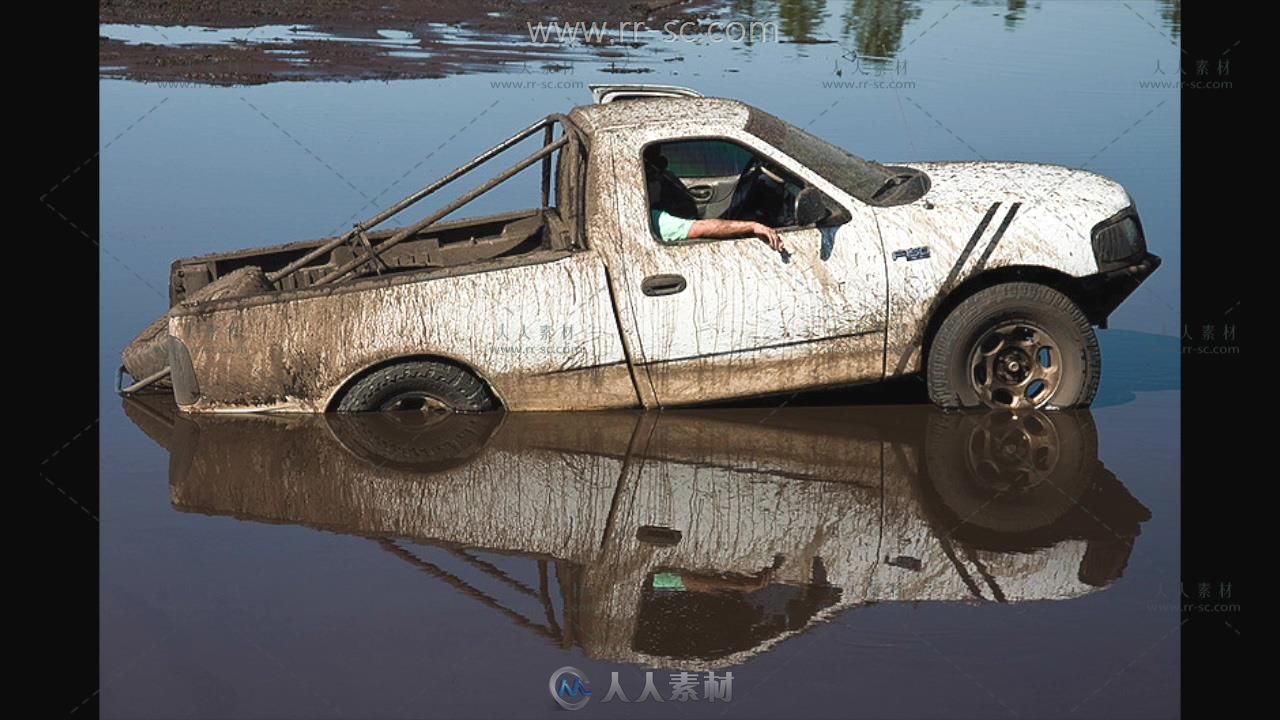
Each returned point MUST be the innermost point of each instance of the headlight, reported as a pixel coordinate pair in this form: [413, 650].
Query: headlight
[1118, 240]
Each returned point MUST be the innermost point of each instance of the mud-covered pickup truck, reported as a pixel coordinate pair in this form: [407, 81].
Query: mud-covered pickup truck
[987, 278]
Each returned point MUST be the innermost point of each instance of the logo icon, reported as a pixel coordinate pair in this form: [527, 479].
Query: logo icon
[569, 688]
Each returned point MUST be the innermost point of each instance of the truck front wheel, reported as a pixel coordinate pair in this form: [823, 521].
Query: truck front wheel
[1016, 346]
[422, 386]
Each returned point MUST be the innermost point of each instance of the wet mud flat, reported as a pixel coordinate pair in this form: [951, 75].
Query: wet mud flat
[246, 43]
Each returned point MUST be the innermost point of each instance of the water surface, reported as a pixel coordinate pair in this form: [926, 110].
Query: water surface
[265, 569]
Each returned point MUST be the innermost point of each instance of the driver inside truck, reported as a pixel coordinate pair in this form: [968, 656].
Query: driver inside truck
[673, 215]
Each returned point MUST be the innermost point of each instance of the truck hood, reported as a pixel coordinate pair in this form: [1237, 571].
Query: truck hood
[1065, 191]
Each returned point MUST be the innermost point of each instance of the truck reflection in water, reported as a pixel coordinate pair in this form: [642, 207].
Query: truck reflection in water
[686, 539]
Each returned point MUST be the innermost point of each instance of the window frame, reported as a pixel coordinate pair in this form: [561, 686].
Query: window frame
[756, 152]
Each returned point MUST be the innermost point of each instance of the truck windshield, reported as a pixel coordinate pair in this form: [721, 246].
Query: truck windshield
[863, 179]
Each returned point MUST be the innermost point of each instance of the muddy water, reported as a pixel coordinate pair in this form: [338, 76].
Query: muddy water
[838, 561]
[828, 557]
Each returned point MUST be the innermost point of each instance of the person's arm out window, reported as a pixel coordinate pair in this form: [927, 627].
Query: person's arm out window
[669, 228]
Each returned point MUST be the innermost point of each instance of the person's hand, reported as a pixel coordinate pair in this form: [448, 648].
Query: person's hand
[769, 235]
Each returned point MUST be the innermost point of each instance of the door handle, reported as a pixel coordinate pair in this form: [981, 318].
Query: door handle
[701, 193]
[667, 284]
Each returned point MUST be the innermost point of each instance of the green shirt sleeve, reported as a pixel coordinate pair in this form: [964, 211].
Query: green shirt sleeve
[669, 228]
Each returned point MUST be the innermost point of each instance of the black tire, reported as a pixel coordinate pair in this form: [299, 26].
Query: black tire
[1008, 331]
[412, 442]
[1010, 474]
[148, 353]
[418, 385]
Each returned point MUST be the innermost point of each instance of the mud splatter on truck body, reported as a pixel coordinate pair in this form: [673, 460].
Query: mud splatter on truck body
[576, 305]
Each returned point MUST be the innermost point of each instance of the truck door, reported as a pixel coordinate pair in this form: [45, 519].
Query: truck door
[711, 319]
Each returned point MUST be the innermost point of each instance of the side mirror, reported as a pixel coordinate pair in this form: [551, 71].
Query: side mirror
[813, 208]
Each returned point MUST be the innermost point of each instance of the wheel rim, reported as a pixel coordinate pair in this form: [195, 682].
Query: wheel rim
[431, 408]
[1007, 453]
[1015, 365]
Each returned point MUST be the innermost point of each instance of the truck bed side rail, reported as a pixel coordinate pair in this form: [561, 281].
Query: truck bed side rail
[372, 253]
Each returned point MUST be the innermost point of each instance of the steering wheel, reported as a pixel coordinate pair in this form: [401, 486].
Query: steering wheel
[759, 189]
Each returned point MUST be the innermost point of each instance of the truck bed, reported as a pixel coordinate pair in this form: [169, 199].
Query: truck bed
[444, 245]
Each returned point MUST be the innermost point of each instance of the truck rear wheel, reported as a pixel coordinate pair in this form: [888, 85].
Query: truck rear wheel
[413, 442]
[1016, 346]
[423, 386]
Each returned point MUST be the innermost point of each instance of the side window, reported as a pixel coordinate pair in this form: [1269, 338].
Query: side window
[714, 178]
[706, 158]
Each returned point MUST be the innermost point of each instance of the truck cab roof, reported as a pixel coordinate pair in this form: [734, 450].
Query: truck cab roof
[708, 113]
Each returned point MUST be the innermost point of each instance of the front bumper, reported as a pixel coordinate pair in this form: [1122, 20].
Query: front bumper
[1103, 293]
